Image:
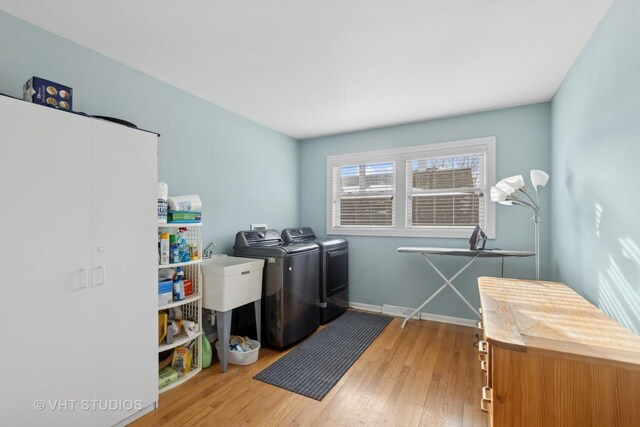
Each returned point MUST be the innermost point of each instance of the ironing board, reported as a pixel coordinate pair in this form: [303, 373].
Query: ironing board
[469, 253]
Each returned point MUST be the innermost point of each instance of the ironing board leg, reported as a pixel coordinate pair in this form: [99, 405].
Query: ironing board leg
[447, 282]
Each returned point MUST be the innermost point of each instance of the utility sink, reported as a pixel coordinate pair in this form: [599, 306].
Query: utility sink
[230, 282]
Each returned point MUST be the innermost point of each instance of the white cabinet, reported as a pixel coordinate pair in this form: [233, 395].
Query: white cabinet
[78, 215]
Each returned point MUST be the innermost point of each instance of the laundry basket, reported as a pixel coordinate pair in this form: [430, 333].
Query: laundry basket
[241, 357]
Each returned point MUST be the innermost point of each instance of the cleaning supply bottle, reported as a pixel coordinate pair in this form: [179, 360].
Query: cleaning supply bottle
[175, 253]
[207, 352]
[178, 285]
[183, 246]
[164, 248]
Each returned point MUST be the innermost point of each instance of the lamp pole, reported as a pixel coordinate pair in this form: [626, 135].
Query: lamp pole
[535, 205]
[536, 225]
[536, 222]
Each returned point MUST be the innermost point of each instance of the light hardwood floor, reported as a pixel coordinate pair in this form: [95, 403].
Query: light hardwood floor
[425, 375]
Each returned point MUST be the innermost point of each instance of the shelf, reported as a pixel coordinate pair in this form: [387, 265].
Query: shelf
[179, 264]
[191, 306]
[191, 298]
[180, 224]
[183, 339]
[179, 381]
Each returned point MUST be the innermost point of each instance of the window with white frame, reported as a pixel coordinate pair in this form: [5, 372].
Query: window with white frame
[435, 190]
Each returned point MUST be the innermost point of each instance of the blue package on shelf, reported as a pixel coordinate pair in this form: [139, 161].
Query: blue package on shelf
[165, 292]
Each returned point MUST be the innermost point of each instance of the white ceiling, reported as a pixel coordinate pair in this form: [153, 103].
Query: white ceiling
[316, 67]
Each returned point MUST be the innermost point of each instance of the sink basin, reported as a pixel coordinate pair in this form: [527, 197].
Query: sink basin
[229, 282]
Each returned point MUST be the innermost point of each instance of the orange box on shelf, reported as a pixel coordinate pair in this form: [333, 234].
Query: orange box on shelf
[188, 287]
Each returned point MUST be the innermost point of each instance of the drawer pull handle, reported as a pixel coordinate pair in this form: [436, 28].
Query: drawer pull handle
[486, 398]
[487, 394]
[483, 346]
[246, 272]
[483, 408]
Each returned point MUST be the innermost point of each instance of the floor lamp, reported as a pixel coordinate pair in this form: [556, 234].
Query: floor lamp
[506, 191]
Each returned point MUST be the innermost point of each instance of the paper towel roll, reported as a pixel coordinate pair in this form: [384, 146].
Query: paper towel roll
[163, 191]
[163, 194]
[190, 202]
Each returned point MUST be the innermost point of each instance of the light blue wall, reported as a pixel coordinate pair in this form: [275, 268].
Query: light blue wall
[378, 274]
[596, 152]
[244, 172]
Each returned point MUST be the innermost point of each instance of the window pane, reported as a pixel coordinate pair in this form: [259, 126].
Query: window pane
[445, 173]
[366, 211]
[364, 195]
[446, 191]
[445, 210]
[370, 177]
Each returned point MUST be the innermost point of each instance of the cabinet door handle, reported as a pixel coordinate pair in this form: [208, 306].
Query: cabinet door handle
[479, 324]
[483, 365]
[483, 346]
[103, 280]
[85, 283]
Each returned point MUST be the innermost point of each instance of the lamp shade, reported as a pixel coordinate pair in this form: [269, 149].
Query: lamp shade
[516, 182]
[539, 178]
[497, 195]
[504, 187]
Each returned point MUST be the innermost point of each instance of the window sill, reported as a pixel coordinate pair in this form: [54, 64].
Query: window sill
[443, 233]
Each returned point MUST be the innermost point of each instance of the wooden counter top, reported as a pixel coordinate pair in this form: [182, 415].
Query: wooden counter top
[551, 317]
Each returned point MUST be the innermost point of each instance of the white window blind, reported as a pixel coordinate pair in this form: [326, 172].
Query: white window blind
[364, 195]
[446, 191]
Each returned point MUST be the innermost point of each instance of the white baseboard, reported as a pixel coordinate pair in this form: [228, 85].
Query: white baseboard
[366, 307]
[448, 319]
[398, 311]
[131, 418]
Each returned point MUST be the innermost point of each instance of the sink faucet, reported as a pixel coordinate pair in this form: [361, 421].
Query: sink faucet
[207, 252]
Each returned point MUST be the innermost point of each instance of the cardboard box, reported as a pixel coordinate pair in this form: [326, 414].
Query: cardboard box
[46, 92]
[165, 292]
[188, 287]
[167, 376]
